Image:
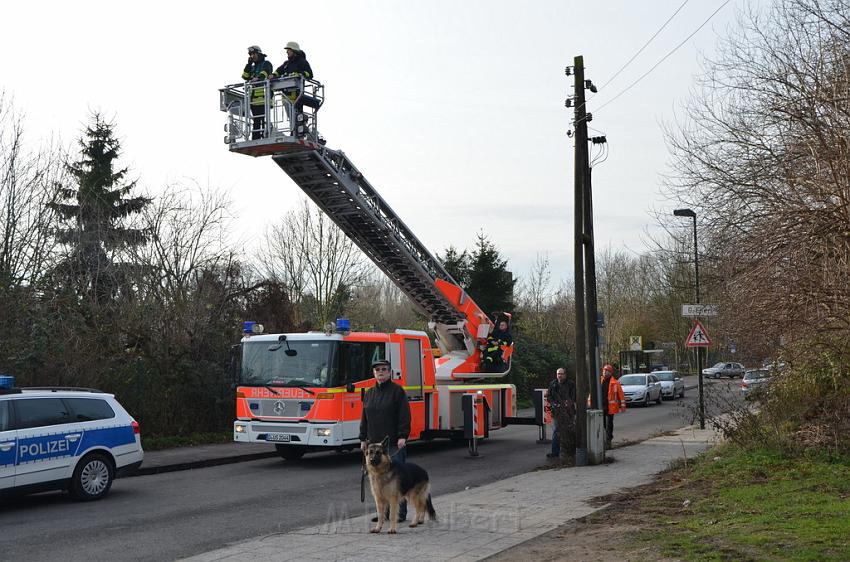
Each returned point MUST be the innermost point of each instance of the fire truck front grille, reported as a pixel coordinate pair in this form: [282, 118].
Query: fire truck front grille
[284, 408]
[279, 429]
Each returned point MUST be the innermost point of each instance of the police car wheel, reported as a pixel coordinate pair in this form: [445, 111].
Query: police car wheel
[92, 478]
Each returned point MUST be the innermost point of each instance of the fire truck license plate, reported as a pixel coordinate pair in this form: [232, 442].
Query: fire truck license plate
[277, 437]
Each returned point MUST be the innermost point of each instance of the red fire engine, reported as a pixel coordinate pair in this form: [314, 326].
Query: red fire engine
[304, 391]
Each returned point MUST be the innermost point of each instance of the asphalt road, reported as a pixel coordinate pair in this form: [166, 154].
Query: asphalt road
[170, 515]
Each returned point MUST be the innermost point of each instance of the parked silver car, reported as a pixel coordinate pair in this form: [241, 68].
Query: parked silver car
[641, 388]
[724, 369]
[672, 384]
[753, 379]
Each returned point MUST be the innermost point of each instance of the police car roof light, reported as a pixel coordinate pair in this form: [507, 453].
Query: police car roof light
[7, 381]
[343, 325]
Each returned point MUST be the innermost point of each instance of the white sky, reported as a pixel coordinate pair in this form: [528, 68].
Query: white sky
[454, 110]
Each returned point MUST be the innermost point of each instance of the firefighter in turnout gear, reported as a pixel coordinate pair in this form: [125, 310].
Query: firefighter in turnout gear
[295, 64]
[257, 71]
[491, 352]
[616, 402]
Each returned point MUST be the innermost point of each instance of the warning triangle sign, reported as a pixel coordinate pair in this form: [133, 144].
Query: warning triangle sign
[698, 336]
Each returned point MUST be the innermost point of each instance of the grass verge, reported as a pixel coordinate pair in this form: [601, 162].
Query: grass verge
[733, 504]
[160, 442]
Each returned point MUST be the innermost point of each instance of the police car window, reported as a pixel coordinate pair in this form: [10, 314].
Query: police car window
[37, 412]
[4, 415]
[90, 409]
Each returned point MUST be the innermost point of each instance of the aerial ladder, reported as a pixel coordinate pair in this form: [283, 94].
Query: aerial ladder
[289, 134]
[342, 192]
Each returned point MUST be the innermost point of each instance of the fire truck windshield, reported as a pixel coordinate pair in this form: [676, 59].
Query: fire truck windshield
[268, 364]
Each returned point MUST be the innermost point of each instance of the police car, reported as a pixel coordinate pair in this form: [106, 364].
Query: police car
[78, 440]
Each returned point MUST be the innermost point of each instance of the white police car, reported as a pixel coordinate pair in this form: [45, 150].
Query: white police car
[72, 439]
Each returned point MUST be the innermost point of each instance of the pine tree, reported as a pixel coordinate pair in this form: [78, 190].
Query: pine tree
[456, 264]
[95, 213]
[491, 285]
[483, 274]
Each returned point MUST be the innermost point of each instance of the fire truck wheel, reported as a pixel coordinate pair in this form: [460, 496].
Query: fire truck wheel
[290, 452]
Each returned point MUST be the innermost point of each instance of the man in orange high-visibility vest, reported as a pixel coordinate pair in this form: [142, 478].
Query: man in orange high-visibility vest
[612, 389]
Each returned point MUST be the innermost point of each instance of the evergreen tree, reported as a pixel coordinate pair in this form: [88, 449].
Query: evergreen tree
[95, 213]
[490, 284]
[456, 264]
[483, 274]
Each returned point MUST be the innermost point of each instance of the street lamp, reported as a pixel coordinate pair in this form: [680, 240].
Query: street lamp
[690, 213]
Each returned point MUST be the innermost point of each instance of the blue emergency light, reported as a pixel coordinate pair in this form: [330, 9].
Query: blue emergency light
[7, 381]
[343, 325]
[251, 327]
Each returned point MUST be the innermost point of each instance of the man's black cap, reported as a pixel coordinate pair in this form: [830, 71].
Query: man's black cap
[380, 362]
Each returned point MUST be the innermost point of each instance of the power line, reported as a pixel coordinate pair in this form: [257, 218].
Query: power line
[665, 57]
[645, 45]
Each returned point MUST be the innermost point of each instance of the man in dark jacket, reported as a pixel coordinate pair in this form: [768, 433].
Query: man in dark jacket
[257, 71]
[295, 64]
[561, 395]
[386, 413]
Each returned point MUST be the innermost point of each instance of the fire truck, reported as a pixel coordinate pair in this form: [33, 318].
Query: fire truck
[303, 392]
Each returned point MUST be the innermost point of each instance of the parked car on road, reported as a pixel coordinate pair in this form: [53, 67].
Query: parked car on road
[724, 369]
[77, 440]
[753, 379]
[672, 384]
[641, 388]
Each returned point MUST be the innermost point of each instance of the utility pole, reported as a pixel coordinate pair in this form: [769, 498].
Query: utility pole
[581, 160]
[590, 291]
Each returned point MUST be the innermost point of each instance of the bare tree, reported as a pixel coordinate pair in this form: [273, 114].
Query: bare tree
[764, 156]
[378, 304]
[28, 183]
[535, 299]
[311, 256]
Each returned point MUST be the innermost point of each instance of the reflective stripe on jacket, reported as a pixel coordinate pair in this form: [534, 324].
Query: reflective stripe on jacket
[616, 397]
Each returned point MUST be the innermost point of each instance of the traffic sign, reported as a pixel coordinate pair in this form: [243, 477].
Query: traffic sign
[692, 310]
[698, 336]
[635, 343]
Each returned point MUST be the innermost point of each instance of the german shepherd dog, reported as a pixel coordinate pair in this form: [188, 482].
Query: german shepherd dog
[391, 481]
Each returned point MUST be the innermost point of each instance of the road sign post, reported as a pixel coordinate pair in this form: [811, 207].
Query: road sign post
[699, 338]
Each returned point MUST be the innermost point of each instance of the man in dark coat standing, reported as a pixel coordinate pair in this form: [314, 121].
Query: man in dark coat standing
[386, 413]
[562, 398]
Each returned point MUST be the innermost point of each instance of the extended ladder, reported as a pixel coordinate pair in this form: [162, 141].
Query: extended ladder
[340, 190]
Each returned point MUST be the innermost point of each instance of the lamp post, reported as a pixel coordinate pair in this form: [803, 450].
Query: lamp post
[690, 213]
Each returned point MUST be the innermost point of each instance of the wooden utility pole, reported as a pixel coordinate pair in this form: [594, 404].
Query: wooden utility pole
[581, 161]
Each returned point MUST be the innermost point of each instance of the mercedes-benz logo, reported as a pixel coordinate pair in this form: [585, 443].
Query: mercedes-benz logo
[279, 407]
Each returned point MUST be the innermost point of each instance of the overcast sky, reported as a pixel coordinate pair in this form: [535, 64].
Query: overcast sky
[454, 110]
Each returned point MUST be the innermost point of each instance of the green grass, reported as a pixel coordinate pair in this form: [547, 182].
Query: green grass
[753, 506]
[160, 442]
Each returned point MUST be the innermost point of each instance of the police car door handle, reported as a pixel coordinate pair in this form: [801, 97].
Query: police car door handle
[6, 446]
[72, 437]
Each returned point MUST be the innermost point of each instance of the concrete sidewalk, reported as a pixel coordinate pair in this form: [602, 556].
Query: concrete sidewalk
[479, 522]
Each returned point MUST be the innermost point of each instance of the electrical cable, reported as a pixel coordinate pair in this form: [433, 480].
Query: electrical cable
[645, 45]
[665, 57]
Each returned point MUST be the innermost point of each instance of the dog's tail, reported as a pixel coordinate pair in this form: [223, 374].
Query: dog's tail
[431, 513]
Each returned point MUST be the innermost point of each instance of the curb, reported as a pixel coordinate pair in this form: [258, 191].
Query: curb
[188, 465]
